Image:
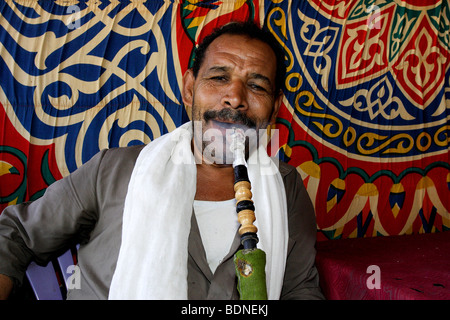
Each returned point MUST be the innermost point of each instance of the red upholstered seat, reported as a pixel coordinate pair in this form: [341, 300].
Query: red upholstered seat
[410, 267]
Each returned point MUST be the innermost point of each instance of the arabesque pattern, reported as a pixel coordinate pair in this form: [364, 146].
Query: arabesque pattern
[364, 119]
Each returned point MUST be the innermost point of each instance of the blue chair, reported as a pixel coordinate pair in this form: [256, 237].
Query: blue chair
[50, 282]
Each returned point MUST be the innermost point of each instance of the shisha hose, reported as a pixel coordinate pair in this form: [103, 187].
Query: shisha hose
[250, 262]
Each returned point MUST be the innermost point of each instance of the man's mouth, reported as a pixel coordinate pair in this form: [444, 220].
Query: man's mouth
[227, 119]
[223, 125]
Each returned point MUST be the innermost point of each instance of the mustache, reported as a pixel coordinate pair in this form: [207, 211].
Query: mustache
[229, 115]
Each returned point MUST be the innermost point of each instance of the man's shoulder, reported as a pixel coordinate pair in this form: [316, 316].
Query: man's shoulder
[291, 177]
[117, 159]
[285, 168]
[130, 150]
[129, 153]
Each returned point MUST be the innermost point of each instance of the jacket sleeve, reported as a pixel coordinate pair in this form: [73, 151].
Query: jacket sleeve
[301, 280]
[45, 228]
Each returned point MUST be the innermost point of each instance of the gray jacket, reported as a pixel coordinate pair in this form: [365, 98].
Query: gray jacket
[87, 206]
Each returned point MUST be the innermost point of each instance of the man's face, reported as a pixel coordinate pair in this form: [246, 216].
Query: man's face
[235, 86]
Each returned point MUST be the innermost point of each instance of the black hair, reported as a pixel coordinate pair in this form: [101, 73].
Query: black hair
[251, 30]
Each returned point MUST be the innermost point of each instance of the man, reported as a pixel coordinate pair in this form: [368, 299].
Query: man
[159, 221]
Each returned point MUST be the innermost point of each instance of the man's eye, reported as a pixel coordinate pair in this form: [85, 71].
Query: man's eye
[218, 78]
[257, 87]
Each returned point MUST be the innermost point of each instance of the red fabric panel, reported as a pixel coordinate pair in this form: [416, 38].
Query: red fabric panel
[411, 267]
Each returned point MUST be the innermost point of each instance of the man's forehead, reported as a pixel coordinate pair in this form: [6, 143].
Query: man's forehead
[236, 51]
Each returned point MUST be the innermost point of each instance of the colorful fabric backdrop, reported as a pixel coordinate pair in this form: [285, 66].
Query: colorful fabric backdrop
[365, 117]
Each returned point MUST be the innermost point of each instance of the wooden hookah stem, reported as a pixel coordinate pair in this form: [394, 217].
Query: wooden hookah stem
[244, 203]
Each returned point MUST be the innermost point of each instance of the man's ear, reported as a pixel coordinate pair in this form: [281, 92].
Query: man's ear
[187, 92]
[276, 107]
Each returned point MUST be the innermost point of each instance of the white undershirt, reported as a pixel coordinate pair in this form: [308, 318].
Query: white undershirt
[218, 223]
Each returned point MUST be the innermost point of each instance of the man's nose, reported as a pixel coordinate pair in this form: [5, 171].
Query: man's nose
[235, 95]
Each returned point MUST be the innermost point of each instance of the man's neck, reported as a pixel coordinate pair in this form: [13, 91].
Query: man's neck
[214, 182]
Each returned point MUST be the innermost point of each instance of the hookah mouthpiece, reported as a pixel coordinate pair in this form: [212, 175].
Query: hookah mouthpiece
[238, 147]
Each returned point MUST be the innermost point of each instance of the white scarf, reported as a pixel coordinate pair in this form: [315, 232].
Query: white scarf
[153, 256]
